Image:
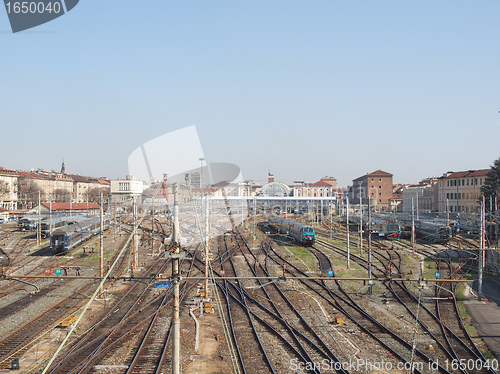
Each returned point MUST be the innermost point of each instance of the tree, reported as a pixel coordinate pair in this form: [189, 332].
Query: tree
[28, 193]
[4, 187]
[491, 186]
[62, 195]
[94, 194]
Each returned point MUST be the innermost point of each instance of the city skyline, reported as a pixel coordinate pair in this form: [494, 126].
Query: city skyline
[256, 181]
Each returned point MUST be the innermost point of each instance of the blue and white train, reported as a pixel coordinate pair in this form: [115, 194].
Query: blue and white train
[303, 234]
[65, 238]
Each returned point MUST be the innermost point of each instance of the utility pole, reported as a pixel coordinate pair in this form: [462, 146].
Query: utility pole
[114, 218]
[207, 264]
[496, 222]
[369, 247]
[481, 255]
[412, 225]
[153, 228]
[176, 341]
[136, 237]
[447, 213]
[491, 220]
[101, 249]
[347, 224]
[50, 215]
[360, 220]
[38, 231]
[254, 218]
[417, 206]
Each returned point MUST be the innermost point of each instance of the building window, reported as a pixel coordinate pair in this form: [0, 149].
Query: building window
[475, 181]
[373, 180]
[463, 182]
[481, 181]
[467, 181]
[448, 183]
[455, 183]
[380, 187]
[380, 193]
[380, 179]
[456, 196]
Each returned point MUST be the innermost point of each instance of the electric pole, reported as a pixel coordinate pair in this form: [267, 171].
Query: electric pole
[369, 246]
[176, 341]
[101, 249]
[481, 254]
[38, 231]
[347, 226]
[412, 225]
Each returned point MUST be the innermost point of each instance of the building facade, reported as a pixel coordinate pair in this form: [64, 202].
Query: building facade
[321, 188]
[126, 192]
[376, 185]
[460, 191]
[8, 189]
[422, 196]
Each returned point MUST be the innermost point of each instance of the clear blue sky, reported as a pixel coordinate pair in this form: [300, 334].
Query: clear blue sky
[305, 88]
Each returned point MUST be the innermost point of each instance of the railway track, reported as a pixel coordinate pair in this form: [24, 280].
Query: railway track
[453, 344]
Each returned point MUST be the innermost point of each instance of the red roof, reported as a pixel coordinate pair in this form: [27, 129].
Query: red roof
[32, 175]
[318, 184]
[72, 206]
[379, 172]
[467, 174]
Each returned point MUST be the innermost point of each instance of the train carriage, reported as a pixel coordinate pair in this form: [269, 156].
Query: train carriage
[68, 237]
[303, 234]
[433, 231]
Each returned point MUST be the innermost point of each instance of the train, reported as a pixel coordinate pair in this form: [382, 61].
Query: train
[381, 227]
[433, 231]
[65, 238]
[49, 225]
[302, 234]
[27, 223]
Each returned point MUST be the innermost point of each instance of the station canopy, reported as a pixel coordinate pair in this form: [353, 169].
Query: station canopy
[275, 189]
